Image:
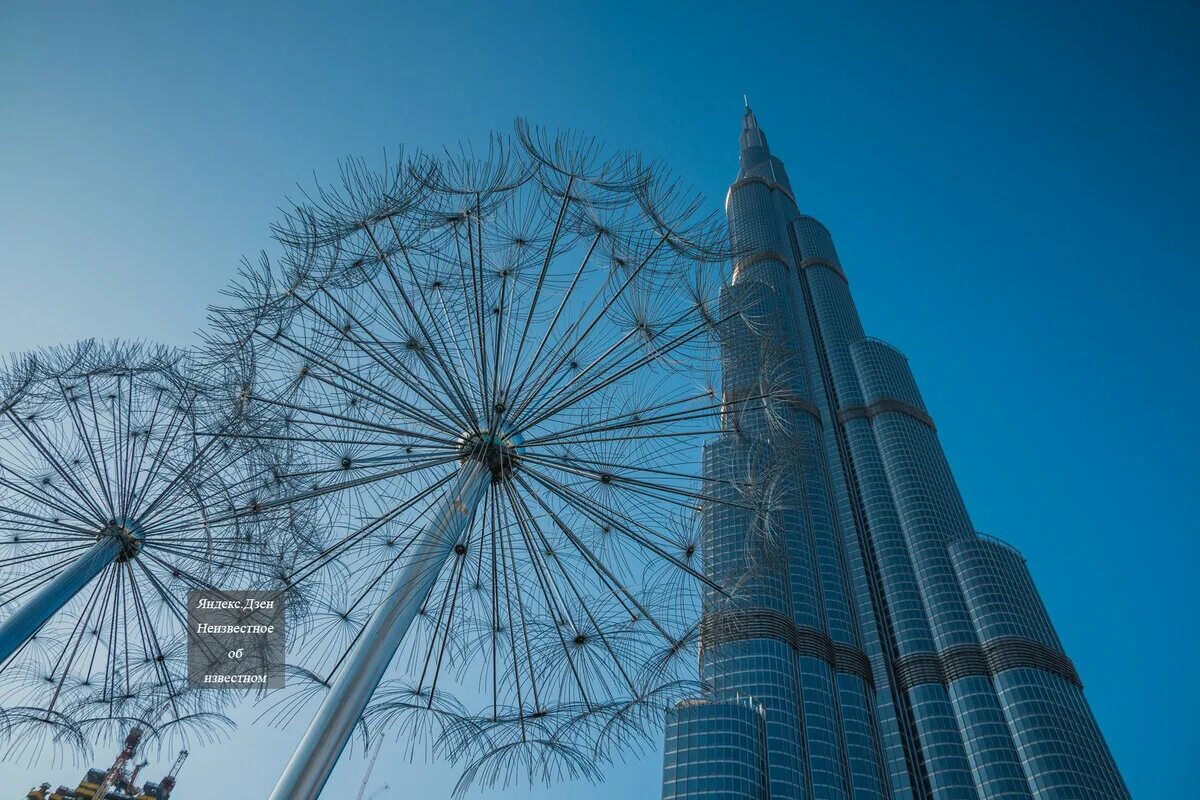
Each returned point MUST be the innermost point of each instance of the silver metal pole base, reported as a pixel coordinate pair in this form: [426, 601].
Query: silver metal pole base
[57, 592]
[327, 735]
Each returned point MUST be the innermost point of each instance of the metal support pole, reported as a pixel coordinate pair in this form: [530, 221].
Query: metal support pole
[331, 728]
[56, 592]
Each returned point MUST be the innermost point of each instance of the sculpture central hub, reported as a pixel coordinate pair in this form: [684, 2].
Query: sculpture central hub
[128, 533]
[499, 452]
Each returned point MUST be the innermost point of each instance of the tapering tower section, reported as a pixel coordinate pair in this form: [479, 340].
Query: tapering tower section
[891, 651]
[788, 638]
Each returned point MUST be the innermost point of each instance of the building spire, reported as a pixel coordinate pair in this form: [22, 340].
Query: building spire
[755, 157]
[752, 135]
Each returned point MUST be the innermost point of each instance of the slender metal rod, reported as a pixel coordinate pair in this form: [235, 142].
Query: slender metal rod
[56, 593]
[319, 750]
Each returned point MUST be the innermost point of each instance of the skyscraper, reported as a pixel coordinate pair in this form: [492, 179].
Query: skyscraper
[872, 644]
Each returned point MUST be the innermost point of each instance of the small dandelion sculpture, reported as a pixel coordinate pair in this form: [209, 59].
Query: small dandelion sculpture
[493, 368]
[111, 509]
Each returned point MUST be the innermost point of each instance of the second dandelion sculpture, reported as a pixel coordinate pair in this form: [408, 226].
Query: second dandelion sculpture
[491, 369]
[111, 509]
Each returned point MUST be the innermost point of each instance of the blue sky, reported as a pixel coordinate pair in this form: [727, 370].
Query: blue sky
[1013, 191]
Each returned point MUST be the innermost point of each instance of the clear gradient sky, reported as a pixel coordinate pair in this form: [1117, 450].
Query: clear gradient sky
[1012, 189]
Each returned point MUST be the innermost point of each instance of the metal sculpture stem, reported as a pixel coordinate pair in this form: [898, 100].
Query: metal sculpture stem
[331, 728]
[56, 593]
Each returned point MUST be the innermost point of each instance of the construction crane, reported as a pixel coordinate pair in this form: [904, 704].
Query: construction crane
[136, 769]
[117, 770]
[115, 784]
[362, 789]
[168, 783]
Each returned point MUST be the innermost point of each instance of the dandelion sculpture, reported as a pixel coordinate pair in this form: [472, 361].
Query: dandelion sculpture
[111, 509]
[493, 368]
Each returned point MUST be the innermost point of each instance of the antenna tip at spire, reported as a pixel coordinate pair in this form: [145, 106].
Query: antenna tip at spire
[746, 100]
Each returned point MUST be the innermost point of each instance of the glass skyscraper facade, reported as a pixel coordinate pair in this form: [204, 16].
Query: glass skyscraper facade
[716, 748]
[871, 644]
